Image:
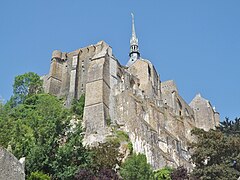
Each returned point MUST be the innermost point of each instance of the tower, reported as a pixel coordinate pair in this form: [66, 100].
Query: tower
[134, 51]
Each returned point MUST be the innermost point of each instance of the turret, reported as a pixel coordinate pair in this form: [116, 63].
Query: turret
[55, 74]
[57, 54]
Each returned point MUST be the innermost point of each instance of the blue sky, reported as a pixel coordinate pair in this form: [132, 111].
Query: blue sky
[195, 43]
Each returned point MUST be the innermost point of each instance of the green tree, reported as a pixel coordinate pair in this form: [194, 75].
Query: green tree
[1, 105]
[136, 167]
[71, 156]
[40, 130]
[5, 127]
[24, 85]
[216, 155]
[230, 127]
[37, 126]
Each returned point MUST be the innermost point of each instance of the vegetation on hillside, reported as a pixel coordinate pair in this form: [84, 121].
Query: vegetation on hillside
[37, 126]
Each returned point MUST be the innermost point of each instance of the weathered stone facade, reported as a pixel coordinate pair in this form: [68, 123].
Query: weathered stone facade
[155, 116]
[10, 167]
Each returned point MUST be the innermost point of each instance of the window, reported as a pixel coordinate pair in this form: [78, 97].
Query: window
[149, 71]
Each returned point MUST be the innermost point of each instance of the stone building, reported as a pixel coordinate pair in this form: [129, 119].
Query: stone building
[156, 118]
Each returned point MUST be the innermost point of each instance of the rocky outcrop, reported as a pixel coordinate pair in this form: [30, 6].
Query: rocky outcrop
[10, 167]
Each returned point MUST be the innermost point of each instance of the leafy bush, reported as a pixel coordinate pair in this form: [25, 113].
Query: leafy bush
[136, 167]
[163, 173]
[122, 136]
[38, 176]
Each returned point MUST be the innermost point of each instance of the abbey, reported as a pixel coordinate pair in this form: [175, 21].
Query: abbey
[133, 98]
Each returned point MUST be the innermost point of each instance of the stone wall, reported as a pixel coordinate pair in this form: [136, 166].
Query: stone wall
[153, 130]
[10, 167]
[148, 77]
[69, 71]
[206, 117]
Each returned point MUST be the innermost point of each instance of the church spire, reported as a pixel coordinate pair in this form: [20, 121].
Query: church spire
[134, 39]
[134, 51]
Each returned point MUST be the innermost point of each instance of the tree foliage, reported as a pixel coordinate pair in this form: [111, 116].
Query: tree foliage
[37, 126]
[106, 156]
[25, 85]
[41, 131]
[229, 127]
[85, 173]
[105, 159]
[38, 176]
[216, 155]
[103, 174]
[136, 167]
[78, 106]
[179, 174]
[163, 174]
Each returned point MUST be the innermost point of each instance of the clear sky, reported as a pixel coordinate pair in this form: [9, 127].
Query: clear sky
[195, 43]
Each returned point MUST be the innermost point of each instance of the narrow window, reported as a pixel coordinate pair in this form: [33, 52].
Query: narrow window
[149, 71]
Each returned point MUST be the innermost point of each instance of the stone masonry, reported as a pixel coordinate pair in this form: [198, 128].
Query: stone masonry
[156, 118]
[10, 167]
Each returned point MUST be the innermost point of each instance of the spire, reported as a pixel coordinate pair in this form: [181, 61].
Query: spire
[134, 38]
[134, 51]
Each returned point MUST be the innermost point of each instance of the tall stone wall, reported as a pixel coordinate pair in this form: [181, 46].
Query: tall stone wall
[154, 131]
[10, 167]
[99, 99]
